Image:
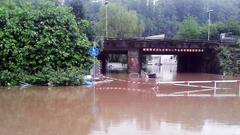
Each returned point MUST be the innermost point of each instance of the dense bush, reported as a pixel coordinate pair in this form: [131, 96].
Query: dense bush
[48, 76]
[34, 37]
[226, 61]
[70, 76]
[189, 29]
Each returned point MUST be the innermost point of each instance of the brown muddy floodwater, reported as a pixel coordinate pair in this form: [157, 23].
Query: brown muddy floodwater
[120, 108]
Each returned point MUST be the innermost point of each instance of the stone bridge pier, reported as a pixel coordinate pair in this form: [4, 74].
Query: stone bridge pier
[134, 61]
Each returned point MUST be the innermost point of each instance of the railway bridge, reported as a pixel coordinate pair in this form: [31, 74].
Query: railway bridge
[192, 55]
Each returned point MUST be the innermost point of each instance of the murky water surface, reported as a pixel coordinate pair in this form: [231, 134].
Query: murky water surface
[122, 107]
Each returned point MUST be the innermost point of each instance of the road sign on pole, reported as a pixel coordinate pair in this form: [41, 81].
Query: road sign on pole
[106, 2]
[94, 51]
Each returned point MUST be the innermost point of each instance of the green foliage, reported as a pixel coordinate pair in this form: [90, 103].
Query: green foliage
[231, 26]
[214, 31]
[8, 78]
[77, 8]
[33, 37]
[66, 77]
[48, 76]
[164, 16]
[238, 68]
[189, 29]
[121, 22]
[83, 26]
[225, 59]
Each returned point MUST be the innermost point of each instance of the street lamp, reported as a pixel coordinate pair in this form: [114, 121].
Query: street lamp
[62, 2]
[106, 13]
[209, 22]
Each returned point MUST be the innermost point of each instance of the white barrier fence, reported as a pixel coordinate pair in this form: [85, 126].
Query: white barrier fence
[203, 88]
[212, 86]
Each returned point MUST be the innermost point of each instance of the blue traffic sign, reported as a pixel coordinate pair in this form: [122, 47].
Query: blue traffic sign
[94, 51]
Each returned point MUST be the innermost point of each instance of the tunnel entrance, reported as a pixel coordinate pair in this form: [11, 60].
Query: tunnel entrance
[190, 63]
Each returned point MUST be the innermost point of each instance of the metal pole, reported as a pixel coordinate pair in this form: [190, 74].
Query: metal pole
[94, 92]
[215, 88]
[94, 45]
[209, 22]
[94, 88]
[63, 1]
[238, 88]
[106, 20]
[94, 70]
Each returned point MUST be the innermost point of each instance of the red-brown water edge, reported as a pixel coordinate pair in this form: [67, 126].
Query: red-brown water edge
[119, 108]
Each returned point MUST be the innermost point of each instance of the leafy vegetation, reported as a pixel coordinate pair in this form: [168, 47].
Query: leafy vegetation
[189, 29]
[35, 37]
[79, 10]
[48, 76]
[226, 60]
[164, 16]
[121, 22]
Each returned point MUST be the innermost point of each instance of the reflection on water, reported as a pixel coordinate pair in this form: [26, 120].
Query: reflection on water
[168, 72]
[72, 111]
[165, 72]
[40, 110]
[149, 115]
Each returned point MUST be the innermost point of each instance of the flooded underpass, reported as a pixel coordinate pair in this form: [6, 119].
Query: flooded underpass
[128, 105]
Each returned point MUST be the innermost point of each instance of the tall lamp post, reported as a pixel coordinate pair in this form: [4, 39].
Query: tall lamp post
[62, 1]
[106, 13]
[209, 22]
